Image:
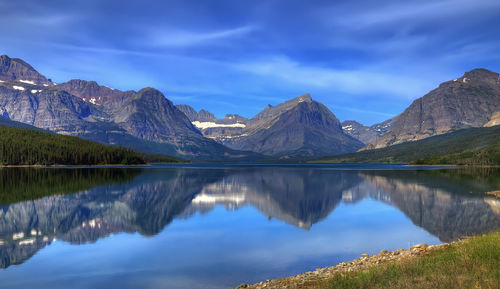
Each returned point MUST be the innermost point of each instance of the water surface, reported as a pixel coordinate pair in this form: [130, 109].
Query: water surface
[216, 226]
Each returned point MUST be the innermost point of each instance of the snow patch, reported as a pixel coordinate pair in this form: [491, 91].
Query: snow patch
[28, 82]
[347, 127]
[18, 87]
[1, 81]
[92, 100]
[209, 124]
[45, 85]
[465, 80]
[35, 91]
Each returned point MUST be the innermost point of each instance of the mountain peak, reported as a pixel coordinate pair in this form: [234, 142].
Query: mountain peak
[303, 98]
[465, 102]
[481, 74]
[18, 69]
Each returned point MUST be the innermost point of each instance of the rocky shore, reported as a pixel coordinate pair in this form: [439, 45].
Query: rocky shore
[312, 278]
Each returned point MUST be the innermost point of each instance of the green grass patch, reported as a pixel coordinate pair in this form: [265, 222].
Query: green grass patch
[474, 263]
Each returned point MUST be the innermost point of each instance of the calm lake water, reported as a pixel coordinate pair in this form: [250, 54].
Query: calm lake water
[217, 226]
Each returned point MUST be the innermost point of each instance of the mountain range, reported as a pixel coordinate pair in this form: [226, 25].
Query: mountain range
[299, 128]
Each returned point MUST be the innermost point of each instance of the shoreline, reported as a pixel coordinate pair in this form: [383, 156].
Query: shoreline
[85, 166]
[320, 276]
[70, 166]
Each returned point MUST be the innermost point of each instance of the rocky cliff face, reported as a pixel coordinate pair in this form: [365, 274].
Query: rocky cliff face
[469, 101]
[49, 109]
[149, 115]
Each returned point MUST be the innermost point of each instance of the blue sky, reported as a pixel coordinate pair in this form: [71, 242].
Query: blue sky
[365, 60]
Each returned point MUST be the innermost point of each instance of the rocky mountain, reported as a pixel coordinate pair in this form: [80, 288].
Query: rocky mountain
[367, 134]
[472, 100]
[94, 93]
[17, 69]
[143, 120]
[215, 128]
[299, 127]
[193, 115]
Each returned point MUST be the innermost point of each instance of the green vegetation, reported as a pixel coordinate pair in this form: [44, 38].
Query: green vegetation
[28, 147]
[474, 146]
[157, 158]
[24, 184]
[489, 156]
[470, 264]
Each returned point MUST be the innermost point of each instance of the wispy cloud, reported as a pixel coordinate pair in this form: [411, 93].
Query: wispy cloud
[419, 11]
[181, 38]
[357, 81]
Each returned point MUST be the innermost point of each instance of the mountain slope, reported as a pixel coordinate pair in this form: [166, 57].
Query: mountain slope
[469, 101]
[297, 128]
[472, 139]
[143, 120]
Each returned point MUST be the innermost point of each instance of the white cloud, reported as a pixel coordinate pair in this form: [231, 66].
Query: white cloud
[357, 81]
[417, 11]
[180, 38]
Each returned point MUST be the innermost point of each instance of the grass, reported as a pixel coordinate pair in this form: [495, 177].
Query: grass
[474, 263]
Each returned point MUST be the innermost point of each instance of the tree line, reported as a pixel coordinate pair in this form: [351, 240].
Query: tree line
[28, 147]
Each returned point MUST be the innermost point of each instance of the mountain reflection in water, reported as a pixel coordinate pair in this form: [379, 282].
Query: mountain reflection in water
[83, 205]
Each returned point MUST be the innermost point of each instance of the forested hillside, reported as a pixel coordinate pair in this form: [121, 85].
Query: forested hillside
[20, 146]
[474, 146]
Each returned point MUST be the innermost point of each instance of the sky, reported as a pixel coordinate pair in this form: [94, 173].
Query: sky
[365, 60]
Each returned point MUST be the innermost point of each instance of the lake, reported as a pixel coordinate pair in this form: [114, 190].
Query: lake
[220, 225]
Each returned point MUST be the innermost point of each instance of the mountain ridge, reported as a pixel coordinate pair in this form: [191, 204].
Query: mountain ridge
[469, 101]
[98, 113]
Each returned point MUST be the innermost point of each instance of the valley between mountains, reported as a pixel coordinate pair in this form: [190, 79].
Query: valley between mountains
[298, 129]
